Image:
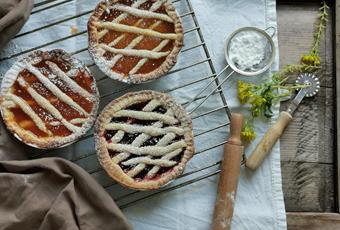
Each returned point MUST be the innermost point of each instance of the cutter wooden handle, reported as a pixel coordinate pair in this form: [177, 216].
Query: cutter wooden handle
[268, 141]
[230, 171]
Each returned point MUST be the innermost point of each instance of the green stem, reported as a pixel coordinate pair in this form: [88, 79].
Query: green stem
[321, 27]
[290, 87]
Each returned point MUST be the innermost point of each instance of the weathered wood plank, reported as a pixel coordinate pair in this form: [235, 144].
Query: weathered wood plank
[309, 137]
[313, 221]
[297, 24]
[307, 145]
[307, 186]
[337, 74]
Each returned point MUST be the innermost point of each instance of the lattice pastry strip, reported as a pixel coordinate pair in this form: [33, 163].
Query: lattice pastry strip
[45, 106]
[147, 150]
[160, 162]
[142, 13]
[148, 131]
[140, 139]
[28, 110]
[166, 157]
[132, 52]
[166, 43]
[136, 41]
[144, 158]
[44, 103]
[144, 60]
[133, 43]
[149, 161]
[53, 88]
[135, 30]
[122, 16]
[147, 116]
[68, 81]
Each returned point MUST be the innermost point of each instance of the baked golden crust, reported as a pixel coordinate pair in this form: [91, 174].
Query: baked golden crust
[134, 76]
[27, 105]
[113, 168]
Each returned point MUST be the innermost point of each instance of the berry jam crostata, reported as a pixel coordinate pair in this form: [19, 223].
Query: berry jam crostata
[144, 139]
[48, 99]
[135, 40]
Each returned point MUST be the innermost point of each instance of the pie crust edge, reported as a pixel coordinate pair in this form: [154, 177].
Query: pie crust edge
[169, 62]
[113, 169]
[26, 136]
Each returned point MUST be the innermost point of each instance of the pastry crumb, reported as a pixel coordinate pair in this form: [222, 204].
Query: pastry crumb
[74, 30]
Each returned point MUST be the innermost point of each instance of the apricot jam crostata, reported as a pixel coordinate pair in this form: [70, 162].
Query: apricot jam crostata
[135, 40]
[48, 99]
[144, 139]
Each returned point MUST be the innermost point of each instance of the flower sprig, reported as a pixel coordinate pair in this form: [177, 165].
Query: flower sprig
[313, 57]
[248, 134]
[261, 97]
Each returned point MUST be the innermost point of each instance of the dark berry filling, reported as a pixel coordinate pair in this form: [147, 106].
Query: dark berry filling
[119, 119]
[160, 109]
[178, 158]
[128, 138]
[113, 153]
[162, 171]
[126, 168]
[177, 138]
[152, 141]
[143, 122]
[140, 176]
[109, 134]
[138, 106]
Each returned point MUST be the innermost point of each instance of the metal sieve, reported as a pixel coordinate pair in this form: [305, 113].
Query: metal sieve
[267, 62]
[268, 52]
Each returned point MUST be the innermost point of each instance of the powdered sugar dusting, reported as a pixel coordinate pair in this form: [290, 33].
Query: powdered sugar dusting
[248, 50]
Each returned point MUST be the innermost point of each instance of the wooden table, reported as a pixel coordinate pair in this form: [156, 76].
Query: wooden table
[308, 147]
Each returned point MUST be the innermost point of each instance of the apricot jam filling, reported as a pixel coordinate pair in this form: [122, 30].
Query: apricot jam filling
[126, 63]
[55, 126]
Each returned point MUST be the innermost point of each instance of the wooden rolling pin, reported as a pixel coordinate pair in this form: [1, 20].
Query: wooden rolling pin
[230, 171]
[268, 141]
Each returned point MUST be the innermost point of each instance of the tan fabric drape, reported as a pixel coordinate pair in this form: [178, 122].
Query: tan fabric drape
[53, 193]
[50, 194]
[13, 15]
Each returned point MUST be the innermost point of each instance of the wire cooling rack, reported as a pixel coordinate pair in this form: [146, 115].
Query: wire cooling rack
[194, 70]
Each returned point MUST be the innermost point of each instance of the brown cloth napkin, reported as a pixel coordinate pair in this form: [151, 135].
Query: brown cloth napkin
[54, 194]
[51, 194]
[13, 15]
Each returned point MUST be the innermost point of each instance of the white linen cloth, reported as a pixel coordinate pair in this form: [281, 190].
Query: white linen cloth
[259, 201]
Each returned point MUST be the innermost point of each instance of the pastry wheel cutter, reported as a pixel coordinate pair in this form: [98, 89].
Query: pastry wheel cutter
[274, 133]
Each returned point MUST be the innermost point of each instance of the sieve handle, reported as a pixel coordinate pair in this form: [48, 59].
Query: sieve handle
[268, 141]
[230, 171]
[273, 31]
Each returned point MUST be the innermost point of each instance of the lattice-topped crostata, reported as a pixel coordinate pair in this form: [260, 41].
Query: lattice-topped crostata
[135, 40]
[48, 99]
[144, 139]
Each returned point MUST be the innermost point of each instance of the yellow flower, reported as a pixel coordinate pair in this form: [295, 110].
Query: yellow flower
[256, 105]
[243, 91]
[257, 101]
[248, 134]
[310, 59]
